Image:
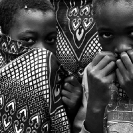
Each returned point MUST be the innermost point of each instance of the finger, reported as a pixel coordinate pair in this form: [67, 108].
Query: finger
[67, 101]
[72, 80]
[100, 56]
[127, 61]
[68, 87]
[119, 77]
[130, 53]
[66, 93]
[110, 78]
[109, 68]
[105, 61]
[121, 68]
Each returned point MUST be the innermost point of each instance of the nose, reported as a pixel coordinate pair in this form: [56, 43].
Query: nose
[42, 44]
[39, 45]
[122, 46]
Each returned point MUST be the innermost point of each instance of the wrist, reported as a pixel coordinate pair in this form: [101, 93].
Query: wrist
[94, 116]
[96, 106]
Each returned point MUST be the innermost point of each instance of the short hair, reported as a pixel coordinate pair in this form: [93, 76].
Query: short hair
[8, 9]
[97, 4]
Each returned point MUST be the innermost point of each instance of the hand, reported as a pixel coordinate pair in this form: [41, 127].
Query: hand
[100, 75]
[124, 72]
[72, 94]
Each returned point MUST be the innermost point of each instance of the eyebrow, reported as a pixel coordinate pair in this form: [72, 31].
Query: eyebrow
[129, 28]
[28, 31]
[103, 29]
[33, 33]
[51, 33]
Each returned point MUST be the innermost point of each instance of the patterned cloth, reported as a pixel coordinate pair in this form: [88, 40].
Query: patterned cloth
[77, 39]
[30, 100]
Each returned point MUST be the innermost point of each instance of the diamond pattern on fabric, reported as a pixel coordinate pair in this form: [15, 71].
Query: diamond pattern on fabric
[26, 95]
[65, 53]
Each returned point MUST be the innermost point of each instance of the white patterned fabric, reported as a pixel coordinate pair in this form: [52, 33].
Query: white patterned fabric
[30, 99]
[77, 38]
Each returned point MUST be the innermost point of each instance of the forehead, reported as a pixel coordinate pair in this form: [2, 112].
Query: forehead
[34, 18]
[120, 12]
[111, 6]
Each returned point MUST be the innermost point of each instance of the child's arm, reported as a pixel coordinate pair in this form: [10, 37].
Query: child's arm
[99, 77]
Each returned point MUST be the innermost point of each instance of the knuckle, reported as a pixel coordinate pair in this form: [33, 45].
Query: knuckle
[79, 92]
[127, 78]
[92, 72]
[72, 103]
[105, 81]
[72, 78]
[107, 57]
[73, 99]
[62, 92]
[100, 54]
[66, 85]
[131, 75]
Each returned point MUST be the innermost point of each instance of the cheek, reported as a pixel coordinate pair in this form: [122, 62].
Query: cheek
[107, 47]
[13, 34]
[52, 49]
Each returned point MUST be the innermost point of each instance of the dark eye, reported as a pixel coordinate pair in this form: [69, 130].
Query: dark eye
[51, 40]
[28, 40]
[106, 35]
[131, 33]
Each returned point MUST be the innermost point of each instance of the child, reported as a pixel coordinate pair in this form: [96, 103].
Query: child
[33, 23]
[108, 78]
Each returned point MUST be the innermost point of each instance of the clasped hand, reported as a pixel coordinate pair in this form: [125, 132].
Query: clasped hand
[103, 71]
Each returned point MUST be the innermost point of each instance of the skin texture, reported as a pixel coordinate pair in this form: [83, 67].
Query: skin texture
[114, 23]
[38, 29]
[72, 96]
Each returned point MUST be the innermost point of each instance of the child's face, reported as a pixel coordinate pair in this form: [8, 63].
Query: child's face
[36, 28]
[115, 26]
